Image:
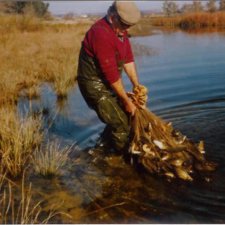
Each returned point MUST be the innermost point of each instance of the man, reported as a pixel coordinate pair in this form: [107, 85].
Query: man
[105, 52]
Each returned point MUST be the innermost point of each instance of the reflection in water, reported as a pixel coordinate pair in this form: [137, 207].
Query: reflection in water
[187, 86]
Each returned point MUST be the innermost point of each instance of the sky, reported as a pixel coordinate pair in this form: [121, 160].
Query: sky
[83, 7]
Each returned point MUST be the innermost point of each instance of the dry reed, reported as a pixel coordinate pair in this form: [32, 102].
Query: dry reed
[18, 139]
[192, 20]
[32, 92]
[203, 20]
[49, 160]
[21, 209]
[65, 74]
[165, 21]
[142, 28]
[33, 51]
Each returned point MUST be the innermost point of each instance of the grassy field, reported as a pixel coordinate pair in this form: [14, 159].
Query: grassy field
[33, 51]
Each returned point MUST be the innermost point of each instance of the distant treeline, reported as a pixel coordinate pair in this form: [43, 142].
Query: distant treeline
[38, 8]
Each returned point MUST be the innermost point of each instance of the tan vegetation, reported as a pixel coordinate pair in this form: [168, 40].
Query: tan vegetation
[143, 28]
[18, 139]
[22, 209]
[192, 20]
[49, 160]
[203, 20]
[33, 51]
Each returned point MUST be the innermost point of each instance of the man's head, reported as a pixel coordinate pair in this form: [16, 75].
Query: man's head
[124, 14]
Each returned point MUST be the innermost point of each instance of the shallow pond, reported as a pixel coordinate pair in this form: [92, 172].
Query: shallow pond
[186, 78]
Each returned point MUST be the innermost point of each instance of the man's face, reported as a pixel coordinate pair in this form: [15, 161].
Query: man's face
[119, 26]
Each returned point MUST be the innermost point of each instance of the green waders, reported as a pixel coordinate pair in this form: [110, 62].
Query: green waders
[100, 97]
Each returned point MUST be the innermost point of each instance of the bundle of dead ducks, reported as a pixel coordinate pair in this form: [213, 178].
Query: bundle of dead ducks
[160, 148]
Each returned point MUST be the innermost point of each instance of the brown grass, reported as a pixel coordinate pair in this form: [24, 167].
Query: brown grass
[49, 160]
[165, 21]
[31, 92]
[203, 20]
[33, 51]
[142, 28]
[18, 139]
[192, 20]
[19, 207]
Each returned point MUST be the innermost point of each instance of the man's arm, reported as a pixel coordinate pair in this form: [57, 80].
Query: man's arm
[130, 69]
[120, 91]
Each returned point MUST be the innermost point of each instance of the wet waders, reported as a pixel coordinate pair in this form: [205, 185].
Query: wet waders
[100, 97]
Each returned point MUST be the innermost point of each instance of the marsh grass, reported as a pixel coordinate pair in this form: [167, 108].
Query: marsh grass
[203, 20]
[19, 207]
[65, 75]
[49, 160]
[33, 51]
[26, 22]
[142, 28]
[19, 137]
[2, 177]
[192, 20]
[32, 92]
[165, 21]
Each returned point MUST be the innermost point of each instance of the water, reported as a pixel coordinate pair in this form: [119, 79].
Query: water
[186, 79]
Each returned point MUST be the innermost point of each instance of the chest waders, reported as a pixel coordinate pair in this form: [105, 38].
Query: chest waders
[100, 97]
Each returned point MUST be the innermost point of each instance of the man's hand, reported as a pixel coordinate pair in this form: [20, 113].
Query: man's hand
[130, 107]
[120, 91]
[140, 90]
[139, 96]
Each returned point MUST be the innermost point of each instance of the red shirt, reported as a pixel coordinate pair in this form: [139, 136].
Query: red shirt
[102, 43]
